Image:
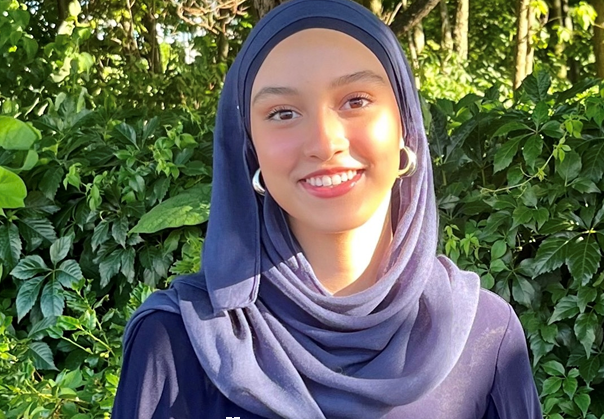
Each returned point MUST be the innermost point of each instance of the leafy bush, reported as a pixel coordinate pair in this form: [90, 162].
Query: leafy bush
[520, 193]
[117, 202]
[100, 180]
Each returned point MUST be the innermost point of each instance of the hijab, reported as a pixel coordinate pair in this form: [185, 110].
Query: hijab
[266, 333]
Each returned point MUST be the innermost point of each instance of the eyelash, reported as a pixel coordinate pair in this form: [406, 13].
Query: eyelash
[276, 111]
[363, 96]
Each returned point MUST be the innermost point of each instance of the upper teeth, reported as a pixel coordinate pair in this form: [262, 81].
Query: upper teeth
[332, 180]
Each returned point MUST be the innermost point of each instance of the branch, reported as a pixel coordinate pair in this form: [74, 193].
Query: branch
[405, 21]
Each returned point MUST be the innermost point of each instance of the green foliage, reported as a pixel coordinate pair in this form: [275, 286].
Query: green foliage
[72, 256]
[520, 193]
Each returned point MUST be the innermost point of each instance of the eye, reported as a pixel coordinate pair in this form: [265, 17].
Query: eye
[282, 114]
[357, 102]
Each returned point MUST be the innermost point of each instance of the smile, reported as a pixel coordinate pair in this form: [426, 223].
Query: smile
[329, 181]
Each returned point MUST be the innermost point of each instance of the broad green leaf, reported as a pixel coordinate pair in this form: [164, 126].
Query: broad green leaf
[552, 129]
[498, 250]
[589, 368]
[593, 166]
[584, 185]
[31, 159]
[567, 307]
[10, 245]
[540, 114]
[586, 326]
[125, 132]
[522, 291]
[16, 135]
[532, 149]
[150, 127]
[509, 127]
[27, 295]
[497, 266]
[569, 386]
[522, 215]
[551, 385]
[583, 259]
[12, 189]
[128, 264]
[72, 379]
[29, 266]
[549, 404]
[599, 306]
[586, 295]
[583, 401]
[30, 45]
[570, 167]
[536, 85]
[487, 281]
[37, 230]
[68, 323]
[41, 326]
[69, 273]
[41, 355]
[539, 347]
[60, 248]
[110, 266]
[555, 225]
[554, 368]
[506, 153]
[100, 234]
[51, 181]
[52, 301]
[188, 208]
[549, 332]
[551, 254]
[529, 196]
[540, 215]
[119, 230]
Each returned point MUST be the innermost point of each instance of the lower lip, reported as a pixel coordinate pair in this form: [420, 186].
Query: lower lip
[332, 191]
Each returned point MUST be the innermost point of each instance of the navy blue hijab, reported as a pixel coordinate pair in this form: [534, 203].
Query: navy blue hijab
[266, 332]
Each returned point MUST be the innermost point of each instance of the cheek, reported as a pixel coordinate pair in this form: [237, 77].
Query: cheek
[380, 138]
[276, 150]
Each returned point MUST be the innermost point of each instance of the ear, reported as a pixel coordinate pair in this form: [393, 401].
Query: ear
[401, 143]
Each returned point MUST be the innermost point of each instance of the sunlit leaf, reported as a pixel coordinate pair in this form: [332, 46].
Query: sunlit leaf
[188, 208]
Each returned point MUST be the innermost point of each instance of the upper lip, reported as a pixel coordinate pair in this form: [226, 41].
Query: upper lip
[331, 171]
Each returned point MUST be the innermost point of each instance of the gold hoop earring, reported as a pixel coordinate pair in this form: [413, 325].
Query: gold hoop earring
[411, 166]
[257, 185]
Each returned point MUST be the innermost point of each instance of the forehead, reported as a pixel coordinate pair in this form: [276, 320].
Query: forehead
[313, 53]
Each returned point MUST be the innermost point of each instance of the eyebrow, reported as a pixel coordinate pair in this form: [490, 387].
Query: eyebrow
[365, 75]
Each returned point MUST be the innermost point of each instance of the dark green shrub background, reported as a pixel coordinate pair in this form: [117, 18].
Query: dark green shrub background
[104, 197]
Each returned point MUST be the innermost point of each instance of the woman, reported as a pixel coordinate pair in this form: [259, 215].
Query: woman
[320, 294]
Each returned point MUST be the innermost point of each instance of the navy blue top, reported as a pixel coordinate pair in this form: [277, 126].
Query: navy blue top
[162, 378]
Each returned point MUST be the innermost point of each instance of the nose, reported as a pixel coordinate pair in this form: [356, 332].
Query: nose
[327, 137]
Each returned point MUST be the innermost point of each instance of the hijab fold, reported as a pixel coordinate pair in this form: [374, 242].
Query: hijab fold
[266, 332]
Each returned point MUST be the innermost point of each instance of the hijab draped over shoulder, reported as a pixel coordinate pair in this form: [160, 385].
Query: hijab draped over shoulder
[265, 331]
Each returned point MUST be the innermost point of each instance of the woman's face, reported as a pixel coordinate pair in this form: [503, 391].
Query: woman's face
[326, 128]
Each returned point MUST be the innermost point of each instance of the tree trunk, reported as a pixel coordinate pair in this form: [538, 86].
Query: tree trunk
[412, 15]
[223, 40]
[522, 39]
[557, 44]
[598, 38]
[530, 50]
[154, 55]
[262, 7]
[419, 39]
[462, 18]
[62, 11]
[445, 27]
